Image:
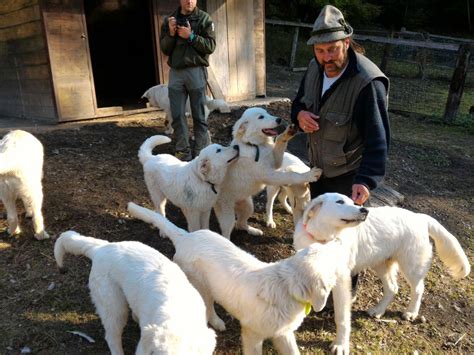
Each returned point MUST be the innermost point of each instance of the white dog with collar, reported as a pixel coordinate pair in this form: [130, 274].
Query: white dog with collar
[192, 186]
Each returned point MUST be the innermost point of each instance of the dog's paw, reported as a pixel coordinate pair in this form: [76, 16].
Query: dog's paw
[410, 316]
[42, 235]
[292, 130]
[375, 312]
[341, 349]
[313, 175]
[217, 324]
[15, 231]
[254, 231]
[271, 223]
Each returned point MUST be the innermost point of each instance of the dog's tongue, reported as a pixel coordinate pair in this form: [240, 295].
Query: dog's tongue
[274, 131]
[270, 132]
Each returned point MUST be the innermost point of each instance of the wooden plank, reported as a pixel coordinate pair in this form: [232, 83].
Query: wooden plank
[28, 44]
[32, 58]
[214, 85]
[21, 31]
[384, 195]
[38, 86]
[405, 42]
[71, 68]
[162, 9]
[27, 14]
[288, 23]
[294, 47]
[219, 60]
[259, 44]
[8, 6]
[232, 38]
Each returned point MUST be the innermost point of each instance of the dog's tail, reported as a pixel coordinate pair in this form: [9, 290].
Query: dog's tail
[74, 243]
[449, 249]
[218, 104]
[146, 149]
[165, 226]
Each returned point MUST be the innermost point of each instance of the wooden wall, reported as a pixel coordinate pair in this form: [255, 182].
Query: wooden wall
[25, 76]
[237, 61]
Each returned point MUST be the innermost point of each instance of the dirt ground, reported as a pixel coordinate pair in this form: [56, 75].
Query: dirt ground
[91, 172]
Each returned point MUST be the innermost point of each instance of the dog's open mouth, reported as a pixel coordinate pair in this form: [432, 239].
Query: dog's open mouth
[233, 158]
[237, 148]
[275, 131]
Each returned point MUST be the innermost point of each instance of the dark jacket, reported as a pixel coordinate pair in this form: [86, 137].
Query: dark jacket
[369, 120]
[184, 53]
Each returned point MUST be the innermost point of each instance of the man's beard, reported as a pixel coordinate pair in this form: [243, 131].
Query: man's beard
[335, 66]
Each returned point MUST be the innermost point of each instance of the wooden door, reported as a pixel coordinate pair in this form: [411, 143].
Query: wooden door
[161, 9]
[68, 47]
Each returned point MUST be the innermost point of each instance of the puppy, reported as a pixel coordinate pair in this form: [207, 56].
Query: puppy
[171, 313]
[382, 238]
[269, 299]
[257, 166]
[158, 97]
[298, 195]
[192, 186]
[21, 172]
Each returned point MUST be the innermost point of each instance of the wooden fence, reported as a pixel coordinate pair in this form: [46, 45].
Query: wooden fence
[420, 40]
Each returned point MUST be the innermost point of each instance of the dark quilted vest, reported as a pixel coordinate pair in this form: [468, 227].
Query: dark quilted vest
[337, 146]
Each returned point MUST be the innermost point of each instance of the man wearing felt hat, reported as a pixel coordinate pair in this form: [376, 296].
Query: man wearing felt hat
[342, 106]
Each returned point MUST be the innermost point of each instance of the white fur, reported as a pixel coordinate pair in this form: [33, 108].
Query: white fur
[169, 310]
[192, 186]
[158, 97]
[21, 172]
[247, 177]
[298, 195]
[389, 238]
[267, 298]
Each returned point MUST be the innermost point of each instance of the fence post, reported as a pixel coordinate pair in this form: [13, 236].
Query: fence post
[294, 46]
[386, 54]
[458, 80]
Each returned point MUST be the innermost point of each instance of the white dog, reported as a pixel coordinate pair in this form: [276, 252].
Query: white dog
[298, 195]
[389, 238]
[269, 299]
[158, 97]
[259, 158]
[169, 310]
[192, 186]
[21, 172]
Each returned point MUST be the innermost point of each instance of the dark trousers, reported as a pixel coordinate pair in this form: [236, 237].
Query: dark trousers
[343, 185]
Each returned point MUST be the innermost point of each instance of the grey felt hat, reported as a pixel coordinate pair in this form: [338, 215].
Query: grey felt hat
[330, 26]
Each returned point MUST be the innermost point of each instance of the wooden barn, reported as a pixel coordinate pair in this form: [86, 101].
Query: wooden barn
[66, 60]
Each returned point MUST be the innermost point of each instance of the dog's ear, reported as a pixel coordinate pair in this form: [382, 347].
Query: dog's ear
[205, 167]
[240, 129]
[312, 209]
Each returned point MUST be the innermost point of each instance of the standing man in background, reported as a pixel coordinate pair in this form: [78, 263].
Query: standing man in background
[187, 38]
[342, 106]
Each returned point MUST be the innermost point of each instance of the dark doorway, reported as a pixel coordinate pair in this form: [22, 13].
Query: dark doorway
[121, 45]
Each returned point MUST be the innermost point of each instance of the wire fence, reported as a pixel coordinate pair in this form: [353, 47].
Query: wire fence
[420, 76]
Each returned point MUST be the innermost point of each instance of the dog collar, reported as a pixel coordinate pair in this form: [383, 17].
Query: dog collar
[257, 154]
[213, 187]
[307, 305]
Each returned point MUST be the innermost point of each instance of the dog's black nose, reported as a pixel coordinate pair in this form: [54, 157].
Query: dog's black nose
[364, 210]
[236, 147]
[278, 120]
